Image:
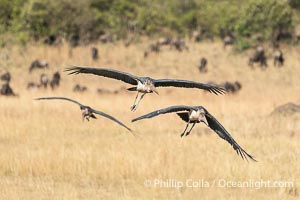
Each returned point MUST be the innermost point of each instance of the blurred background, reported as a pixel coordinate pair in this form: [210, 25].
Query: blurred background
[82, 22]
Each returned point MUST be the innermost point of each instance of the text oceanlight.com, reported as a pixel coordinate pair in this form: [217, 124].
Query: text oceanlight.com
[220, 183]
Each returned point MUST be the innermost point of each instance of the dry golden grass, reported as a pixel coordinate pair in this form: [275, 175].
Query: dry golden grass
[49, 153]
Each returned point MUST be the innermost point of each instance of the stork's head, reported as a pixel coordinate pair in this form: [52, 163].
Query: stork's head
[202, 117]
[85, 113]
[150, 86]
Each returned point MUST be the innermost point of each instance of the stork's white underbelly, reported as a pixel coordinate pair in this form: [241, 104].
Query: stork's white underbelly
[143, 88]
[194, 115]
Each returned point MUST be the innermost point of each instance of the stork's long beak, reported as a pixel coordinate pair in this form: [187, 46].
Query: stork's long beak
[153, 88]
[202, 118]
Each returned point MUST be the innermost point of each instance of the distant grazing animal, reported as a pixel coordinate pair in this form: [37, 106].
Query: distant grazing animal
[196, 36]
[55, 80]
[144, 85]
[6, 77]
[44, 80]
[105, 91]
[50, 40]
[54, 40]
[32, 85]
[95, 54]
[278, 58]
[152, 48]
[232, 87]
[6, 90]
[228, 40]
[258, 57]
[197, 114]
[38, 64]
[87, 112]
[164, 41]
[105, 38]
[202, 67]
[79, 88]
[179, 44]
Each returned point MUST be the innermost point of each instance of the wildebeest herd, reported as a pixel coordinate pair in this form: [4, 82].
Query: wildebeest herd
[44, 81]
[259, 56]
[173, 43]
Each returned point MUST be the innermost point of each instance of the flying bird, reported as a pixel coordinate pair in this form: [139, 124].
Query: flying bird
[197, 114]
[144, 85]
[87, 112]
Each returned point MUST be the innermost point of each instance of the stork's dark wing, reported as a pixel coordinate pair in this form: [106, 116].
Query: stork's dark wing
[221, 131]
[164, 111]
[188, 84]
[184, 116]
[109, 73]
[111, 118]
[59, 98]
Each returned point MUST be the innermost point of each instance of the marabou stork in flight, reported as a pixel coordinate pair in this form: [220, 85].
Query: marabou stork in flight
[144, 85]
[87, 112]
[197, 114]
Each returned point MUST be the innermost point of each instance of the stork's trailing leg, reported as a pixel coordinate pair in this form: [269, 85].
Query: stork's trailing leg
[187, 125]
[135, 105]
[187, 133]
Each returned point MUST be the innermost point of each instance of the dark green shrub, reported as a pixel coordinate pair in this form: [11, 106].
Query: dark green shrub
[264, 17]
[84, 20]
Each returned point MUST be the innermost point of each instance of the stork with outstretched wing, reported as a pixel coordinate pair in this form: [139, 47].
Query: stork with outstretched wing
[197, 114]
[144, 85]
[87, 112]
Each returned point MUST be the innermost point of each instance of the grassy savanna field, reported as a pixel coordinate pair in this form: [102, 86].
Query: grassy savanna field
[49, 153]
